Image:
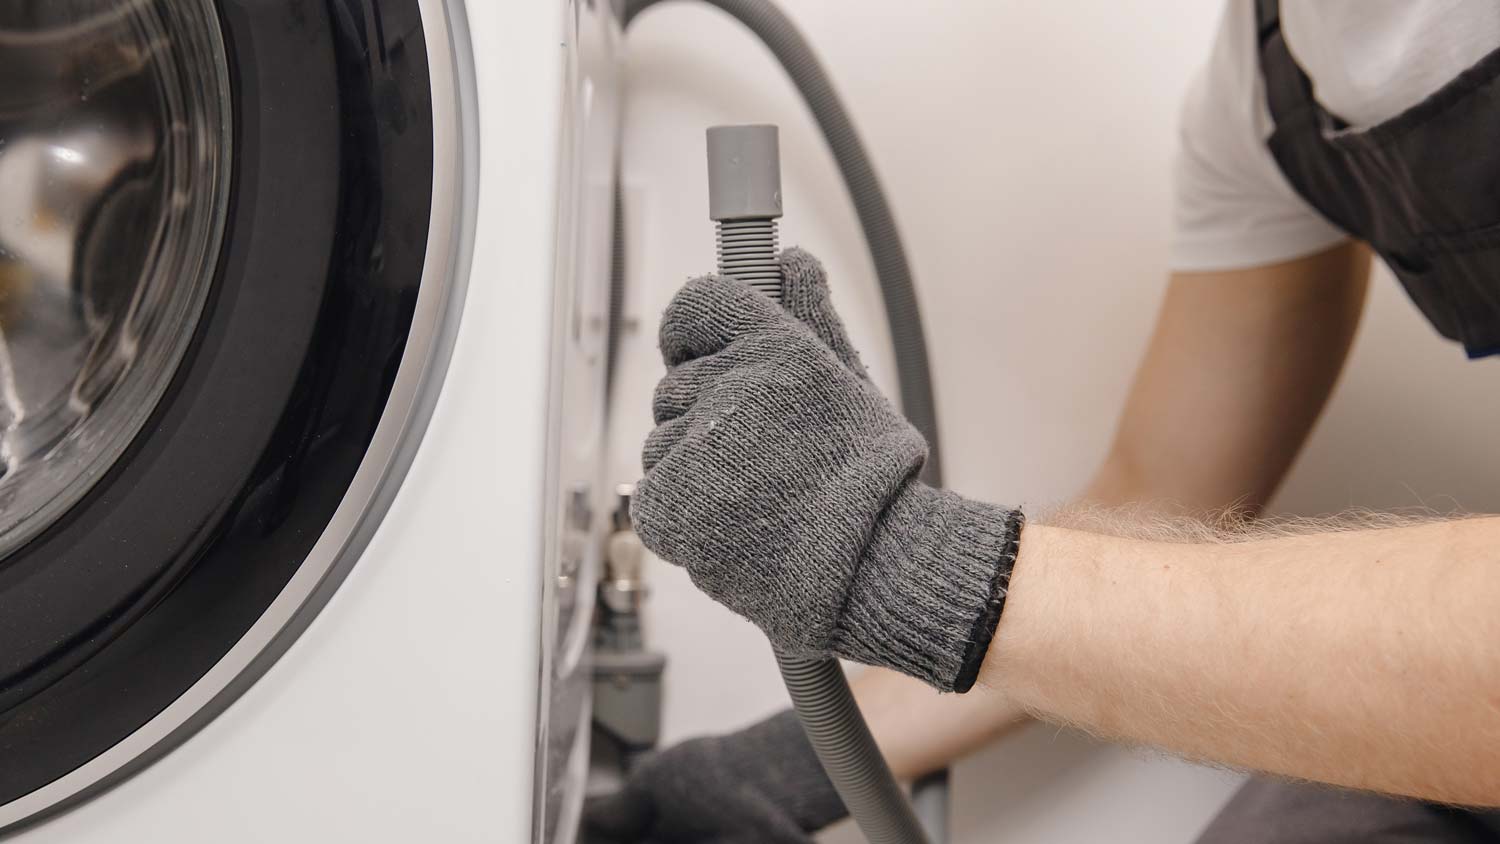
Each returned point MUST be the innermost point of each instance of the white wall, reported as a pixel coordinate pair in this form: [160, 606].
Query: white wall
[1025, 147]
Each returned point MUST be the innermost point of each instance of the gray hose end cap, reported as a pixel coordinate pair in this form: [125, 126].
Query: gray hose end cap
[744, 173]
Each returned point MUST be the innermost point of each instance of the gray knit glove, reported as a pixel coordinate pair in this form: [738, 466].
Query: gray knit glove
[786, 485]
[762, 785]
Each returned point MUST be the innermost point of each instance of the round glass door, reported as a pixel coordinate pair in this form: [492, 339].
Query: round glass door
[114, 160]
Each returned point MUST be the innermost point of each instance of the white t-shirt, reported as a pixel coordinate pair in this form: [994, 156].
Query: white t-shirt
[1368, 60]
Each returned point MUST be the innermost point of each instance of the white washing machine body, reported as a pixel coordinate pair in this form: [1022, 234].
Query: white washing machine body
[412, 666]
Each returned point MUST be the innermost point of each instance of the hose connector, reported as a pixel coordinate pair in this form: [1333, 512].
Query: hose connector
[744, 200]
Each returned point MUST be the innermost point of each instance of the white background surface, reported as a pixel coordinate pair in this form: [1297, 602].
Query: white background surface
[1026, 149]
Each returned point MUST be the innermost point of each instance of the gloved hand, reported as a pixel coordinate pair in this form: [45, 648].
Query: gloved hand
[786, 484]
[762, 785]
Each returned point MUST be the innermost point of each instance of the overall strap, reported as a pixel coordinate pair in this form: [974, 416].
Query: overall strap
[1288, 90]
[1267, 17]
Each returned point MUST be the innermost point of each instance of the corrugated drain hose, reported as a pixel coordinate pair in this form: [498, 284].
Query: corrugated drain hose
[819, 690]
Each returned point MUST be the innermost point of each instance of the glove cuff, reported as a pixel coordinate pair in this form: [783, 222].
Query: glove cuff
[930, 587]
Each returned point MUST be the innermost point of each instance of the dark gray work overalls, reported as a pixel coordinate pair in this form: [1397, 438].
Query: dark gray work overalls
[1423, 189]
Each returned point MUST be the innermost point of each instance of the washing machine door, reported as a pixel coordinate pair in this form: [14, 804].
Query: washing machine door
[226, 235]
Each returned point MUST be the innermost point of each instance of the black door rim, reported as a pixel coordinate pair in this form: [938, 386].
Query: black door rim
[338, 450]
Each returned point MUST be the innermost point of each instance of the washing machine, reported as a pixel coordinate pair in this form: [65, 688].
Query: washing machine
[303, 316]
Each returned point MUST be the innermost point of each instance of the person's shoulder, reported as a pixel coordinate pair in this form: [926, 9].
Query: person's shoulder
[1224, 97]
[1232, 207]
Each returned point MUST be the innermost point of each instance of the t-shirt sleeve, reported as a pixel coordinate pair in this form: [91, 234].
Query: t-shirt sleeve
[1232, 207]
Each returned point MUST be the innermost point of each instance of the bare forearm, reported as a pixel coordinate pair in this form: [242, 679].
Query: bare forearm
[1368, 659]
[920, 730]
[1237, 369]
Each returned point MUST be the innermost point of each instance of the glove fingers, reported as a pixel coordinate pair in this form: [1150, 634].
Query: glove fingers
[709, 313]
[681, 387]
[804, 294]
[662, 440]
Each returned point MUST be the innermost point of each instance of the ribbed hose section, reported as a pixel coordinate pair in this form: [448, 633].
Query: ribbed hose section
[838, 733]
[747, 251]
[780, 35]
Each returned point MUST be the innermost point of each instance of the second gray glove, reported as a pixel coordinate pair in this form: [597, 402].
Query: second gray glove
[786, 484]
[761, 785]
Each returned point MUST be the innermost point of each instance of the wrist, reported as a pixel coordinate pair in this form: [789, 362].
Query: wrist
[1061, 643]
[930, 587]
[1016, 662]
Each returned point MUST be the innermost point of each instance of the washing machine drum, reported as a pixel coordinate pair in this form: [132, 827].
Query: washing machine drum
[213, 224]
